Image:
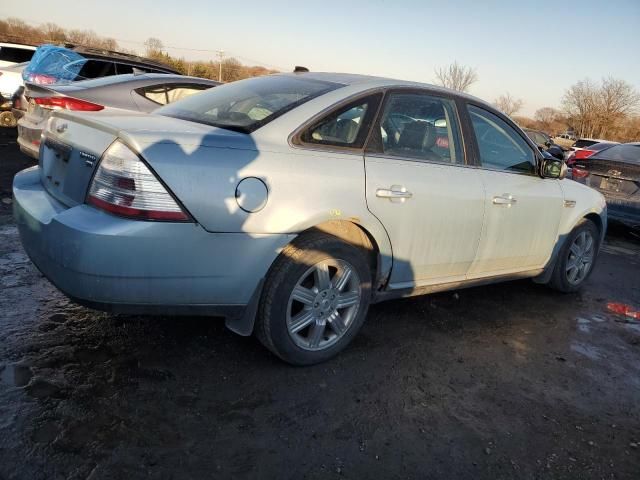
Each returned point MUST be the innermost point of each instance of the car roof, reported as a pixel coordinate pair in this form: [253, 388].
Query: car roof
[375, 81]
[142, 77]
[99, 53]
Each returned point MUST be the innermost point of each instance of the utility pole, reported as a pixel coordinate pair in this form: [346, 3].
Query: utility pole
[220, 57]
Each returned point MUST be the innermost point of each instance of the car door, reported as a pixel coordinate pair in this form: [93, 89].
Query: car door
[522, 210]
[419, 186]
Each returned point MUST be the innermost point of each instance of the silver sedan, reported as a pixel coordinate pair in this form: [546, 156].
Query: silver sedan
[289, 203]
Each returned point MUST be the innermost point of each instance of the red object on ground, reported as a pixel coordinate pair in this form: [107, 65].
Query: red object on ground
[622, 309]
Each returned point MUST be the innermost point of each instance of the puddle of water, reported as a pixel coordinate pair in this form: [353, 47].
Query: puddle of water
[16, 375]
[8, 230]
[584, 328]
[586, 350]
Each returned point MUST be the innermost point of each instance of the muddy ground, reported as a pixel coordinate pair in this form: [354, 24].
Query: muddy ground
[505, 381]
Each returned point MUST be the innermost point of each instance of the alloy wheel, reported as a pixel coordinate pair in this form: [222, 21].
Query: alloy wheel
[323, 304]
[581, 255]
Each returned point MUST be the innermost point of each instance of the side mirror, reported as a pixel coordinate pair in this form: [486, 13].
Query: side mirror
[553, 168]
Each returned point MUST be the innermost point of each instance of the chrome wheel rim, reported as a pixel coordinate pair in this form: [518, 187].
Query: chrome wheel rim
[580, 257]
[323, 304]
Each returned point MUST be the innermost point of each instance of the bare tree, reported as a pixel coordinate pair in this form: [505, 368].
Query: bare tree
[53, 33]
[597, 110]
[154, 46]
[545, 115]
[456, 76]
[508, 104]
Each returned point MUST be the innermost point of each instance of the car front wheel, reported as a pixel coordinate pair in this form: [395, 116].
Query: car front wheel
[576, 258]
[315, 299]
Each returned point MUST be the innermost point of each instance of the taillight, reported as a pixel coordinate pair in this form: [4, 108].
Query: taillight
[68, 103]
[124, 185]
[580, 154]
[577, 173]
[41, 79]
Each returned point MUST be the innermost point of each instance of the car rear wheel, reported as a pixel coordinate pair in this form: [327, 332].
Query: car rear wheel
[576, 258]
[315, 299]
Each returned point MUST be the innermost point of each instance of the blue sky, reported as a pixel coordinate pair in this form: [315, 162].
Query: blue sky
[533, 50]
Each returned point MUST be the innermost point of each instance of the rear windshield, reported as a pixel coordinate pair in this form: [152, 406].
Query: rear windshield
[628, 153]
[247, 105]
[601, 146]
[584, 143]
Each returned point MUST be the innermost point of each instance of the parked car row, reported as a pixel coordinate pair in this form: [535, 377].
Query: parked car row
[84, 79]
[142, 93]
[51, 64]
[289, 203]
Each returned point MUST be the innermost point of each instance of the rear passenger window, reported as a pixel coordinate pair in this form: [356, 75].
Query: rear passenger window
[346, 127]
[165, 94]
[500, 145]
[178, 92]
[421, 127]
[97, 69]
[156, 93]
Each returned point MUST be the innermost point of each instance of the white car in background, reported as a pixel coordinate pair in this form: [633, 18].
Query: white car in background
[10, 82]
[13, 53]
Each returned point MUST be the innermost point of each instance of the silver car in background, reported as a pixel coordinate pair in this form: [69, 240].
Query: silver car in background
[289, 203]
[138, 92]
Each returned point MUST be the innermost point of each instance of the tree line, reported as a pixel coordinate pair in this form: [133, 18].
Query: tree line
[18, 31]
[607, 110]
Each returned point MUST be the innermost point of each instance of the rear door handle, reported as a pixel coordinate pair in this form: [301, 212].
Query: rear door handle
[504, 199]
[397, 193]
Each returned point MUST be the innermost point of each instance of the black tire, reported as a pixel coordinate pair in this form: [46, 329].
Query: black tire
[559, 279]
[306, 251]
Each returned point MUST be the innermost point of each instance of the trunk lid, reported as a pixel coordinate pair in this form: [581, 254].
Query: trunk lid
[614, 179]
[73, 144]
[69, 154]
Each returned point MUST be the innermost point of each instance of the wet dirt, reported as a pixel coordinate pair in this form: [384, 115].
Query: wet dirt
[505, 381]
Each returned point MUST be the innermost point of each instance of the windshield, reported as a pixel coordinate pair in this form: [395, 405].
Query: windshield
[247, 105]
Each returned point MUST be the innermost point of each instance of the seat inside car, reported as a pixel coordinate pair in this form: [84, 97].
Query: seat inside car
[416, 140]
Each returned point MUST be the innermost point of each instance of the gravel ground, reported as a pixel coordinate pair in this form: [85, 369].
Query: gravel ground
[505, 381]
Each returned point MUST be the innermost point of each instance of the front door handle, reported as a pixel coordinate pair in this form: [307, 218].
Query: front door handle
[504, 199]
[395, 193]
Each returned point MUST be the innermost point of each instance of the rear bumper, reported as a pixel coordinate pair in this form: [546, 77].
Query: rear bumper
[624, 210]
[139, 267]
[629, 217]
